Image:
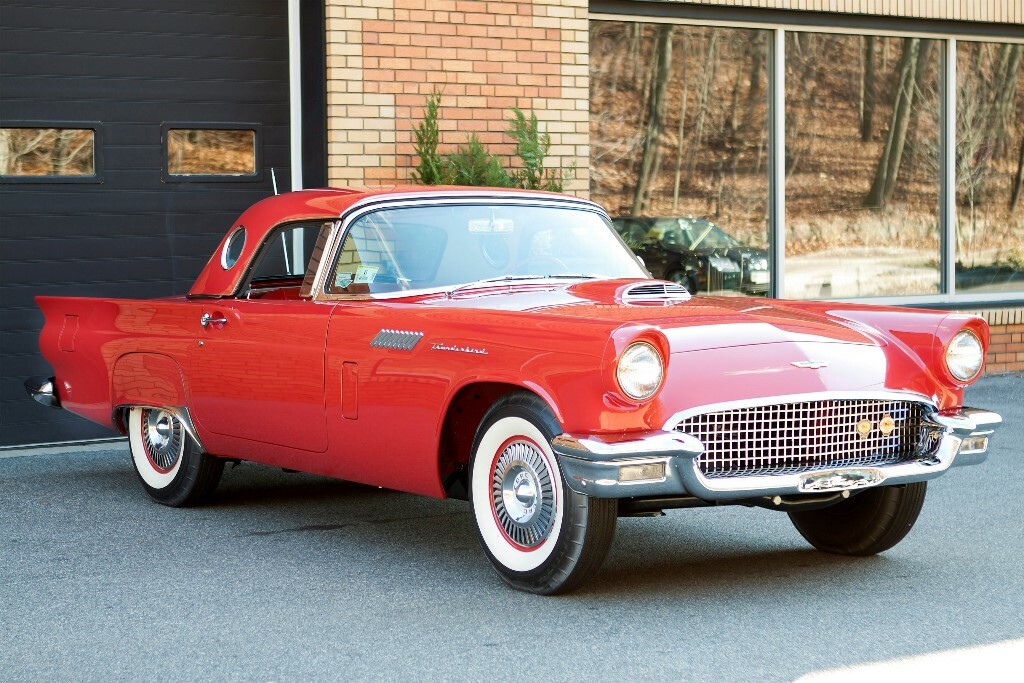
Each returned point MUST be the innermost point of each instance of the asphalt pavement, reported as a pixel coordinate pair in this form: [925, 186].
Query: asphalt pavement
[289, 577]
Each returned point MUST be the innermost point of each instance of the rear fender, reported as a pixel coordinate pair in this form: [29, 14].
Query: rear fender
[146, 379]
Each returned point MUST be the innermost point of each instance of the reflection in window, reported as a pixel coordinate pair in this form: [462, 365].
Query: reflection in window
[862, 160]
[678, 131]
[192, 151]
[990, 167]
[42, 152]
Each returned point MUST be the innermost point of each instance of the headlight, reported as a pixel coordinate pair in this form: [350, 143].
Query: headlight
[640, 371]
[964, 355]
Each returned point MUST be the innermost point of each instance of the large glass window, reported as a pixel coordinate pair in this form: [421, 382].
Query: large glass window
[862, 166]
[679, 139]
[990, 167]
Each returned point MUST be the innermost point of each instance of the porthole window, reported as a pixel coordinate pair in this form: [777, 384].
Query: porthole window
[233, 248]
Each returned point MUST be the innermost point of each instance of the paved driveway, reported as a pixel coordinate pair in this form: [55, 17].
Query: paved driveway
[294, 577]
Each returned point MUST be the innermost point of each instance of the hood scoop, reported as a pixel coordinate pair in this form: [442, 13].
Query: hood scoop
[654, 294]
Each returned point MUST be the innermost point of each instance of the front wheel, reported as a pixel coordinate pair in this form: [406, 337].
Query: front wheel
[539, 535]
[866, 524]
[170, 464]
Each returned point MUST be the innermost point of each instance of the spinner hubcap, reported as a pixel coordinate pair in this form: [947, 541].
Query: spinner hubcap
[162, 437]
[523, 494]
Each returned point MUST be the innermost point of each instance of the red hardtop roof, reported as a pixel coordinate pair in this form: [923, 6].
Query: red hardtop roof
[310, 205]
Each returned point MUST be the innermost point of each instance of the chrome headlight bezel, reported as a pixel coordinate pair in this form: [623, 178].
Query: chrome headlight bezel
[640, 371]
[964, 356]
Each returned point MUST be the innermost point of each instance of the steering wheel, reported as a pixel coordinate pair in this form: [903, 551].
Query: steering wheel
[519, 268]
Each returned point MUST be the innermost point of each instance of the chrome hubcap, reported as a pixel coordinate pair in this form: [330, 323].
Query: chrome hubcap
[523, 495]
[162, 436]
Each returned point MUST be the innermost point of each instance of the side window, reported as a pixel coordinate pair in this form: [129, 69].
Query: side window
[284, 259]
[366, 262]
[383, 254]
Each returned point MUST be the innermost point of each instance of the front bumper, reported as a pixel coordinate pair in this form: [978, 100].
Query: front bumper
[608, 467]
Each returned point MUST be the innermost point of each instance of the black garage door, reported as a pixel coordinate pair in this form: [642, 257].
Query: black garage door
[132, 133]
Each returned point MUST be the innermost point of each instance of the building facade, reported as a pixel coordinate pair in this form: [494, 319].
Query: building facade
[872, 149]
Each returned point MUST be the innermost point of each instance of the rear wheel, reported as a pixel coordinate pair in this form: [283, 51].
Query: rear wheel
[868, 523]
[169, 463]
[539, 535]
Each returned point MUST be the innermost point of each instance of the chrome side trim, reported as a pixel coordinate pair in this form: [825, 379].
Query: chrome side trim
[180, 412]
[43, 390]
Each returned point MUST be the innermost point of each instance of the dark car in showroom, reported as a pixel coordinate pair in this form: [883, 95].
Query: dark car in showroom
[695, 253]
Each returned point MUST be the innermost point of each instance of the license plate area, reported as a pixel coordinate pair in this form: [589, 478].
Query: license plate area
[841, 480]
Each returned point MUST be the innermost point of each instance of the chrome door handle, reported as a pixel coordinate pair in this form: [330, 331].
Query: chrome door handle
[207, 319]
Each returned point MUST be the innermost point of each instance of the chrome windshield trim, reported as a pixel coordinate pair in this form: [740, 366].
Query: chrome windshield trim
[418, 199]
[884, 395]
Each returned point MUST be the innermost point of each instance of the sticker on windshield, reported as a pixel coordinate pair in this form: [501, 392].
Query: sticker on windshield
[479, 225]
[366, 274]
[342, 280]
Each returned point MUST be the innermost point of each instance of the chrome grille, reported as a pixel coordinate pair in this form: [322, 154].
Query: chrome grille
[786, 438]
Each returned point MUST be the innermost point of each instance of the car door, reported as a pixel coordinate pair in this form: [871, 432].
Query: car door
[257, 367]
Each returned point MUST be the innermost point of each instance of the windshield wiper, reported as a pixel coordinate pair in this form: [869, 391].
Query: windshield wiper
[516, 278]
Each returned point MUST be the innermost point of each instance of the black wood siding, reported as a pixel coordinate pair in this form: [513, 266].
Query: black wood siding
[129, 65]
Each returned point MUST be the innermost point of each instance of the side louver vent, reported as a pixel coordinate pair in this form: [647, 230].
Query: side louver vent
[396, 339]
[655, 294]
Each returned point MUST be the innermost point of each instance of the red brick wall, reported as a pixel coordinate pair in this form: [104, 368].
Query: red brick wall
[386, 56]
[1006, 349]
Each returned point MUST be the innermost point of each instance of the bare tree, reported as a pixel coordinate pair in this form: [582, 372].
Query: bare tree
[911, 70]
[867, 90]
[661, 73]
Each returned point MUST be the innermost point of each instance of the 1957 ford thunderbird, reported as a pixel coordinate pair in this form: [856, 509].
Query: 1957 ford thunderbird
[506, 347]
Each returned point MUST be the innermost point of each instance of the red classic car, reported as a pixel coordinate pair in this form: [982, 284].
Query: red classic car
[507, 348]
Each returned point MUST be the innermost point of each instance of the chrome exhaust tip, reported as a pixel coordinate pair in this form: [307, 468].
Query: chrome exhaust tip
[43, 391]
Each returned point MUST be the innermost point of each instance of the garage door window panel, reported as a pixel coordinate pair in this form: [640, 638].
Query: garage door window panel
[37, 152]
[211, 152]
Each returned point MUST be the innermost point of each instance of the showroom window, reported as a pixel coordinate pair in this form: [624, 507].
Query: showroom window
[678, 135]
[884, 166]
[990, 167]
[862, 166]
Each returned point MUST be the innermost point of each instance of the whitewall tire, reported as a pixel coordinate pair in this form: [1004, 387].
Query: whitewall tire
[539, 535]
[171, 466]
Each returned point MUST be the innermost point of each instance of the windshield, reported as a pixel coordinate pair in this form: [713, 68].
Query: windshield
[425, 247]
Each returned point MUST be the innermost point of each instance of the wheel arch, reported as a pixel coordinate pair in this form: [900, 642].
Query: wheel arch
[146, 379]
[462, 417]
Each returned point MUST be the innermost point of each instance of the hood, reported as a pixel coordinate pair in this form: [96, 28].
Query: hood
[689, 323]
